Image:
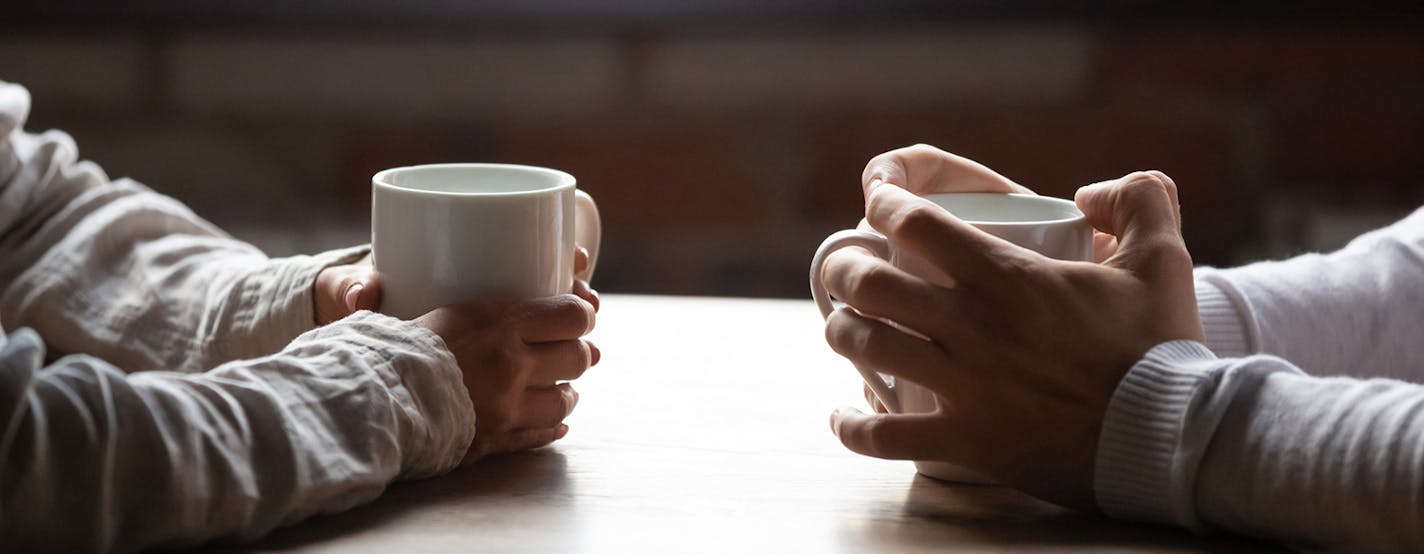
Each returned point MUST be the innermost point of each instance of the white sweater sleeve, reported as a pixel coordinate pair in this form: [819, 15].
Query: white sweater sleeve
[1253, 444]
[1354, 312]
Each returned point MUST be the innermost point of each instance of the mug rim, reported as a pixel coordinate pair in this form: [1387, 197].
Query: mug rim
[1062, 202]
[564, 180]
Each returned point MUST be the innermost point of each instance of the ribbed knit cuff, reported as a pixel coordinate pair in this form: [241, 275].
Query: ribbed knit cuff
[1142, 472]
[1221, 321]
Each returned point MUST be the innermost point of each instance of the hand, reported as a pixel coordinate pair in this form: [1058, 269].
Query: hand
[342, 290]
[1025, 351]
[924, 169]
[514, 356]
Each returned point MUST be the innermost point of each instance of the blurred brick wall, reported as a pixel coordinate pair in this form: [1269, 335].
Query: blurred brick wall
[721, 155]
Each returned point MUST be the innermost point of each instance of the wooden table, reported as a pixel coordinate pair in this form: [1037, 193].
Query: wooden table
[705, 429]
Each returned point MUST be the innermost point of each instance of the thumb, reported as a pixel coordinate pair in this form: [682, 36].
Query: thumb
[343, 290]
[1141, 210]
[364, 294]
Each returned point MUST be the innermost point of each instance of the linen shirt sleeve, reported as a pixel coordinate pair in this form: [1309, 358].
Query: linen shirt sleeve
[102, 280]
[93, 459]
[117, 271]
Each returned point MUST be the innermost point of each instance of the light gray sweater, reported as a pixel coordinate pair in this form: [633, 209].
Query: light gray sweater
[163, 384]
[1294, 421]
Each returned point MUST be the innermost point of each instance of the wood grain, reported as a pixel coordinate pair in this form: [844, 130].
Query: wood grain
[704, 429]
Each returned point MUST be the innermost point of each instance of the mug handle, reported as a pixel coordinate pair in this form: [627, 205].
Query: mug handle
[588, 230]
[876, 244]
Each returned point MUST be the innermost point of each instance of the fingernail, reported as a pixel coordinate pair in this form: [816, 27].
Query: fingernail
[561, 431]
[352, 295]
[594, 354]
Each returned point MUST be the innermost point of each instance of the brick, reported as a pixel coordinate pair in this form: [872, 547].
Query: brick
[392, 75]
[71, 70]
[841, 67]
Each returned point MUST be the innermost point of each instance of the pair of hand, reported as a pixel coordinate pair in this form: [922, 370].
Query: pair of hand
[1024, 351]
[515, 356]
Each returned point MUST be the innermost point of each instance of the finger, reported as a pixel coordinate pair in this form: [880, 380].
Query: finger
[924, 169]
[545, 407]
[580, 260]
[891, 436]
[955, 247]
[582, 290]
[554, 318]
[365, 295]
[1104, 246]
[342, 290]
[873, 400]
[1141, 211]
[873, 286]
[524, 439]
[563, 360]
[872, 344]
[1171, 187]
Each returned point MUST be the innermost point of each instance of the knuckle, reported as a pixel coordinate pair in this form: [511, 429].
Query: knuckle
[872, 435]
[874, 343]
[584, 355]
[504, 366]
[1170, 256]
[1144, 182]
[497, 420]
[922, 149]
[919, 220]
[874, 203]
[869, 281]
[1016, 273]
[842, 333]
[1162, 178]
[577, 311]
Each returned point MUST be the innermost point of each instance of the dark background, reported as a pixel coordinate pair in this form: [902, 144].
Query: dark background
[724, 139]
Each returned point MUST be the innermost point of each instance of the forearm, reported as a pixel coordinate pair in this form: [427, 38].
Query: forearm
[94, 459]
[1255, 446]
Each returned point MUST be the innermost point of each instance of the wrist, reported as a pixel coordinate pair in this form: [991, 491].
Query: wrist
[1142, 470]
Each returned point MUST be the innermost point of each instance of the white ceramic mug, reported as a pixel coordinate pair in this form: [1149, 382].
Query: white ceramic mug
[445, 233]
[1050, 226]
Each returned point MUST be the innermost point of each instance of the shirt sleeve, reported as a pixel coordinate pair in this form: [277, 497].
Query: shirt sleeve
[1254, 445]
[94, 459]
[1354, 312]
[89, 262]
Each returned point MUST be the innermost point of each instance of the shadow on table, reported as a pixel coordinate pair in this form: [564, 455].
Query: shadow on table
[1007, 518]
[477, 491]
